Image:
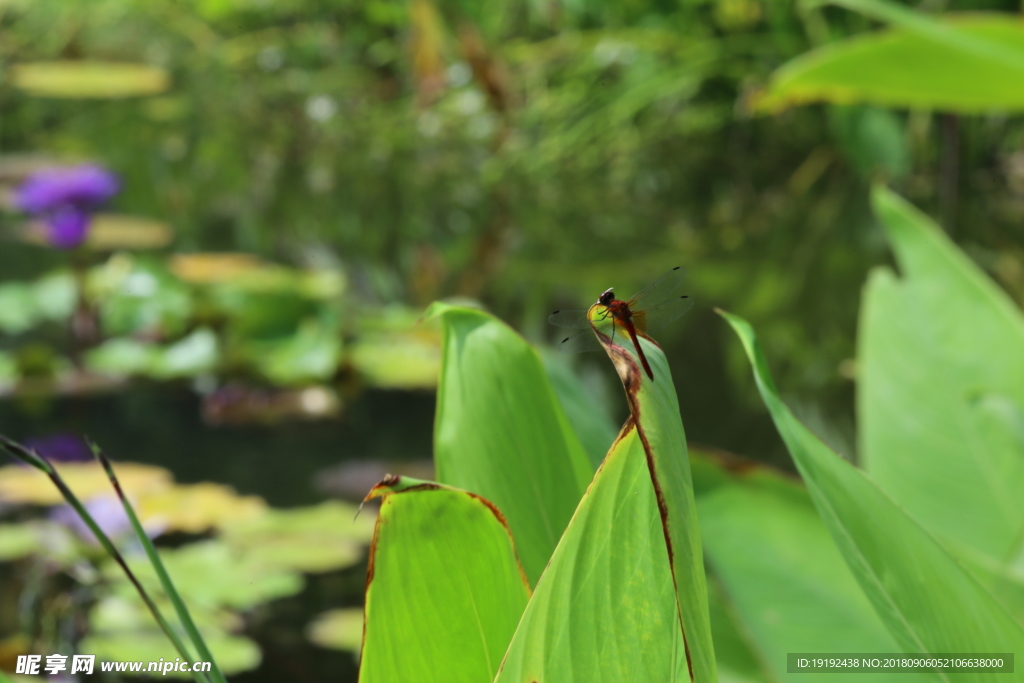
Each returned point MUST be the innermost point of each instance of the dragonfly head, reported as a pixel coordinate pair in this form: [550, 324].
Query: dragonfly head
[607, 297]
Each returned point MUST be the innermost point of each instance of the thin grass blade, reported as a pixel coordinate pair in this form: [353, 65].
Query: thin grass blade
[161, 571]
[29, 457]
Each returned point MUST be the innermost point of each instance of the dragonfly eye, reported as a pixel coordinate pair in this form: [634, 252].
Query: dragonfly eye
[607, 297]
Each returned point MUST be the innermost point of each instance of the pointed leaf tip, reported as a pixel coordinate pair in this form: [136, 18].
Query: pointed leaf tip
[393, 483]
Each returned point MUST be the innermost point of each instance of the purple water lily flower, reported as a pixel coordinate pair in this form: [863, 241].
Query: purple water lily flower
[105, 509]
[109, 514]
[61, 447]
[65, 199]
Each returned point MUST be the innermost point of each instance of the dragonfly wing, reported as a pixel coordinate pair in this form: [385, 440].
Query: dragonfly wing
[660, 291]
[575, 319]
[579, 342]
[587, 340]
[656, 317]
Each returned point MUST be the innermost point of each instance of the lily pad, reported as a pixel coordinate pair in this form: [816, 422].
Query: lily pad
[262, 310]
[196, 508]
[208, 268]
[322, 283]
[328, 517]
[18, 308]
[398, 361]
[397, 349]
[211, 574]
[140, 296]
[338, 629]
[56, 295]
[306, 553]
[313, 539]
[88, 79]
[115, 231]
[114, 613]
[234, 654]
[17, 541]
[121, 357]
[11, 647]
[193, 355]
[311, 354]
[396, 318]
[26, 485]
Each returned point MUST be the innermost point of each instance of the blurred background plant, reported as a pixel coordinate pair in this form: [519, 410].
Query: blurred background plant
[299, 179]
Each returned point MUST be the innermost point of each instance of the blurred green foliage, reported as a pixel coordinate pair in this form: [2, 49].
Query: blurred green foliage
[393, 152]
[517, 151]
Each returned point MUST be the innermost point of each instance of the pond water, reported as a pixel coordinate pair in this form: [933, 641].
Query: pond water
[283, 463]
[161, 426]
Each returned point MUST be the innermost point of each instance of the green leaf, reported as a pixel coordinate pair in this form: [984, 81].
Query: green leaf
[444, 590]
[501, 432]
[655, 409]
[964, 64]
[605, 610]
[734, 658]
[588, 415]
[929, 602]
[780, 576]
[941, 392]
[630, 560]
[938, 31]
[85, 79]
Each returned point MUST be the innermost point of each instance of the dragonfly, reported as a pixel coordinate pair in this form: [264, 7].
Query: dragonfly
[652, 308]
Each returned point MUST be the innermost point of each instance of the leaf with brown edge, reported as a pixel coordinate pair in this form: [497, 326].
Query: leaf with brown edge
[624, 596]
[444, 589]
[655, 409]
[604, 609]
